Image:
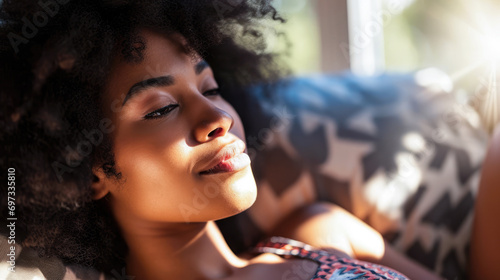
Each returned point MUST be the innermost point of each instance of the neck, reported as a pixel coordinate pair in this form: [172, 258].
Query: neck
[180, 251]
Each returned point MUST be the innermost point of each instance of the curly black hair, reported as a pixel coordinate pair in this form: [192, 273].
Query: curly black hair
[55, 56]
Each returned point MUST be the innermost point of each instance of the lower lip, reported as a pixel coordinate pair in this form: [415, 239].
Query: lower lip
[233, 164]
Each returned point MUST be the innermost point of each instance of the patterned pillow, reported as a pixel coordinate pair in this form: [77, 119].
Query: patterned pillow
[403, 157]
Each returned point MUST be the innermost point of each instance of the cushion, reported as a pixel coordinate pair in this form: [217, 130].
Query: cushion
[395, 150]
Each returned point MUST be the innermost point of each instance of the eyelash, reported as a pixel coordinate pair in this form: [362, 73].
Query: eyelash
[212, 92]
[162, 112]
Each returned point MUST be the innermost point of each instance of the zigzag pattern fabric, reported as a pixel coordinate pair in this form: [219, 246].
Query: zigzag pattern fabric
[402, 157]
[330, 266]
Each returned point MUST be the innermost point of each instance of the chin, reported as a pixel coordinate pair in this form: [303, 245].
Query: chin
[235, 197]
[242, 193]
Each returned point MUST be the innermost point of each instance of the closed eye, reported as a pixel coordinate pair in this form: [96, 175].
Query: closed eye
[161, 112]
[212, 92]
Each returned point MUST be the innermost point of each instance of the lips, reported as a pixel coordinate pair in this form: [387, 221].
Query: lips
[230, 158]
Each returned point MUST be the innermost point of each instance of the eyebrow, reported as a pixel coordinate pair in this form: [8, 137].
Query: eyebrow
[161, 81]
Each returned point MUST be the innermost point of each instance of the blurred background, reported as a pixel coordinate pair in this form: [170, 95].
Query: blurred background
[368, 37]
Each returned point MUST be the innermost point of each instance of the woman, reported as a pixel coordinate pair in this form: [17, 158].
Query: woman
[124, 149]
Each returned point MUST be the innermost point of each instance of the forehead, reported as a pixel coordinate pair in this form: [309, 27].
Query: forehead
[150, 50]
[159, 55]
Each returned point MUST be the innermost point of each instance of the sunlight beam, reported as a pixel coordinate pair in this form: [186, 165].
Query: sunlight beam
[489, 113]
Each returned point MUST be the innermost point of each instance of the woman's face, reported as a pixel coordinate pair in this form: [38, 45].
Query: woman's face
[177, 143]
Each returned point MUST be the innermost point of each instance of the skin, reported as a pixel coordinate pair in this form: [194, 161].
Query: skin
[164, 207]
[485, 242]
[332, 228]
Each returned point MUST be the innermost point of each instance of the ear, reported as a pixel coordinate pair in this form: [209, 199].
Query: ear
[99, 186]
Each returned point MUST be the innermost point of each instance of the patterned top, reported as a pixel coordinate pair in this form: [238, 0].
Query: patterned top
[330, 267]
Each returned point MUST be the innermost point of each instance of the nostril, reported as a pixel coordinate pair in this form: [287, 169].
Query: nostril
[215, 132]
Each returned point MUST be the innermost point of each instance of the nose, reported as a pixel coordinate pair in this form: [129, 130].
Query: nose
[212, 122]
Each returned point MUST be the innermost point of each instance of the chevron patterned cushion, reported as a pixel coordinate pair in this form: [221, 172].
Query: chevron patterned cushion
[403, 157]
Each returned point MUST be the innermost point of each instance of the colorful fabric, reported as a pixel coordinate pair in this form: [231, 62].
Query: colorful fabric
[330, 266]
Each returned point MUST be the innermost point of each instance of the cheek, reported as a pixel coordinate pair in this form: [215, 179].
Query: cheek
[152, 163]
[149, 175]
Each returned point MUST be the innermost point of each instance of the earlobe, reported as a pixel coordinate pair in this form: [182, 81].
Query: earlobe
[99, 187]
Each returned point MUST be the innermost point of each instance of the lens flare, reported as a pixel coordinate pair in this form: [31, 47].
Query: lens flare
[491, 46]
[480, 29]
